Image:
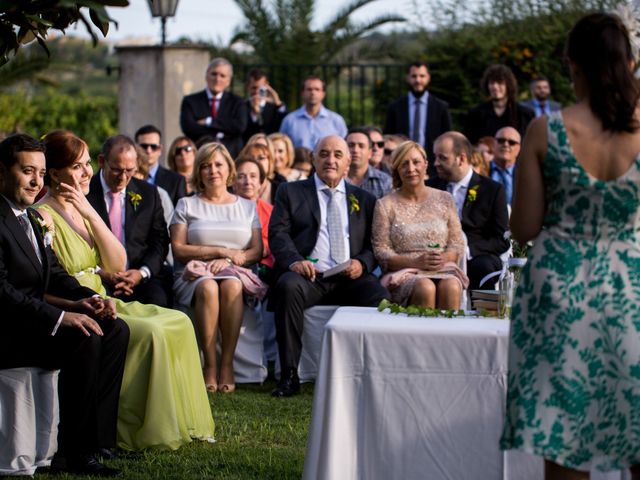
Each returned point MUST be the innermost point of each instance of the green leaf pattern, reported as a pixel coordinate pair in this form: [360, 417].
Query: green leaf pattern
[574, 358]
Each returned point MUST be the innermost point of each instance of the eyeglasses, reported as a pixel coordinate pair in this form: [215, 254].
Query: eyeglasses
[379, 144]
[153, 146]
[502, 141]
[186, 148]
[129, 172]
[388, 151]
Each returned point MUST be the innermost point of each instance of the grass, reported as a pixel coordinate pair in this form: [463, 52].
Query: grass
[257, 437]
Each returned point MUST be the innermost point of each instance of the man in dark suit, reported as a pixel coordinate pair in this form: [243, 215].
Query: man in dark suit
[215, 112]
[264, 106]
[420, 115]
[318, 224]
[80, 335]
[137, 221]
[481, 205]
[149, 139]
[540, 101]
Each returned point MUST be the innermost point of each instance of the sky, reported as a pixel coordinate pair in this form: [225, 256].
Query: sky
[215, 20]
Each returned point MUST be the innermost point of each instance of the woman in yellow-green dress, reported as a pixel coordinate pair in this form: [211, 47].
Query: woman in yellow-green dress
[163, 401]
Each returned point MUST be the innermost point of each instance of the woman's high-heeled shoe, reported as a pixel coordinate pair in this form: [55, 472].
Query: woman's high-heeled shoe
[227, 387]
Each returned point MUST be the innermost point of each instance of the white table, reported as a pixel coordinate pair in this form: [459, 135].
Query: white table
[412, 398]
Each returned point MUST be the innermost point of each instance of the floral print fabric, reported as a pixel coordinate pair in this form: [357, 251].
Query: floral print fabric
[574, 359]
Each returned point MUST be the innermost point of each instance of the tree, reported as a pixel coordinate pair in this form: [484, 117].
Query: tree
[281, 33]
[28, 20]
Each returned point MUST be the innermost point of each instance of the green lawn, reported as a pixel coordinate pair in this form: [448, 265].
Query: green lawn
[258, 437]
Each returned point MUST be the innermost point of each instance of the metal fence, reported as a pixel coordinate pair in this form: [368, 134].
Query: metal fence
[359, 92]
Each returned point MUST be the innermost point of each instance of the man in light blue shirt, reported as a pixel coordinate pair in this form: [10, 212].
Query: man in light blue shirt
[506, 153]
[312, 121]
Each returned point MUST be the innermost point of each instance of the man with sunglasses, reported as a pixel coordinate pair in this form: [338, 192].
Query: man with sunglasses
[502, 168]
[132, 209]
[149, 139]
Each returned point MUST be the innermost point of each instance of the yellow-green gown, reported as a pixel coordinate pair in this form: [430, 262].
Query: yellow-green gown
[163, 400]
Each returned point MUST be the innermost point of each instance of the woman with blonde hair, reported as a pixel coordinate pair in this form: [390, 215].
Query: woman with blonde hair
[417, 237]
[284, 155]
[212, 232]
[181, 157]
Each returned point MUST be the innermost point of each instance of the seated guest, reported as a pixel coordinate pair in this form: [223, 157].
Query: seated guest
[302, 161]
[390, 143]
[163, 402]
[223, 230]
[283, 155]
[182, 155]
[318, 224]
[83, 338]
[503, 167]
[149, 139]
[480, 203]
[377, 148]
[249, 179]
[361, 173]
[417, 236]
[262, 154]
[479, 164]
[136, 218]
[502, 109]
[143, 173]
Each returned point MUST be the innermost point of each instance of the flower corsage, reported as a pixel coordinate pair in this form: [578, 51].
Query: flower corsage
[134, 199]
[355, 204]
[472, 194]
[46, 231]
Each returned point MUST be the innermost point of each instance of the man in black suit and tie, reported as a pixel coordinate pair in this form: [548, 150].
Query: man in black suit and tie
[481, 205]
[133, 211]
[80, 335]
[420, 115]
[149, 139]
[265, 108]
[214, 112]
[318, 224]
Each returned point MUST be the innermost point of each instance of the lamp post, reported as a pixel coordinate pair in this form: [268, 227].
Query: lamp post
[163, 9]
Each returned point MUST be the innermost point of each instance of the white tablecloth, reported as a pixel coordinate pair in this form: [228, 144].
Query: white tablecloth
[412, 398]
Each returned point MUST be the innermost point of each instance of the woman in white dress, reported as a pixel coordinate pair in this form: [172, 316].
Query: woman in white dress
[222, 229]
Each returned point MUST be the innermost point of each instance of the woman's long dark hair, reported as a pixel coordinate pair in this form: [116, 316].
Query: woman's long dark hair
[599, 45]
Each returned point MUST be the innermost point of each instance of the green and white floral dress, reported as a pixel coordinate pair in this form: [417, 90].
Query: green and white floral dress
[574, 357]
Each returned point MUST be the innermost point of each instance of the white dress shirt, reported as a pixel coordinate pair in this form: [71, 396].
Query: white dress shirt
[322, 249]
[459, 190]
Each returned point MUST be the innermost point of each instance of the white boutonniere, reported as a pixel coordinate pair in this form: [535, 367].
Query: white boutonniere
[46, 231]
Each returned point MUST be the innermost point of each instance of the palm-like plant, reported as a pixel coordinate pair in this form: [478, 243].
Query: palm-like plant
[280, 31]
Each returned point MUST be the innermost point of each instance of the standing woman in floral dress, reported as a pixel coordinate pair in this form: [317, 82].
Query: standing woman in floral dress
[574, 366]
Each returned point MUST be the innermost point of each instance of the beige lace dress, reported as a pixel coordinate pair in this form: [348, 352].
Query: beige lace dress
[409, 229]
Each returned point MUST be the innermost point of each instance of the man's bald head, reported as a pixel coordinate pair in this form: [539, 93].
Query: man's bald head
[331, 159]
[507, 147]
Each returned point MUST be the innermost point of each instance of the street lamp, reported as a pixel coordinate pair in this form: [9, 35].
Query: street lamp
[163, 9]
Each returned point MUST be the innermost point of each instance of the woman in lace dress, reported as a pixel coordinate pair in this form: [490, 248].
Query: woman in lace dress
[417, 237]
[574, 356]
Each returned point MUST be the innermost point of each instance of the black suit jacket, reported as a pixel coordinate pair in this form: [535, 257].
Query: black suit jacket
[438, 122]
[271, 120]
[482, 121]
[146, 236]
[484, 220]
[231, 119]
[23, 284]
[295, 221]
[172, 182]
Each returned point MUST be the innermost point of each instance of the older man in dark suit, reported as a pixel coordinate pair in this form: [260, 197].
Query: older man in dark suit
[319, 224]
[481, 205]
[80, 335]
[419, 115]
[133, 211]
[214, 112]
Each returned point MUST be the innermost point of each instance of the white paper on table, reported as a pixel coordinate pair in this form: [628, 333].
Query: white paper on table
[341, 267]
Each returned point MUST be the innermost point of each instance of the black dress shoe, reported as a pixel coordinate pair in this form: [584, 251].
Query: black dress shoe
[86, 465]
[106, 454]
[289, 384]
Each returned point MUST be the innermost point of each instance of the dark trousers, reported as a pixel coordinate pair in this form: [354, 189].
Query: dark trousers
[91, 371]
[293, 293]
[479, 267]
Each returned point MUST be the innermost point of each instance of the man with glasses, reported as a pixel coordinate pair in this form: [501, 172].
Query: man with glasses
[419, 115]
[502, 168]
[133, 211]
[149, 139]
[377, 148]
